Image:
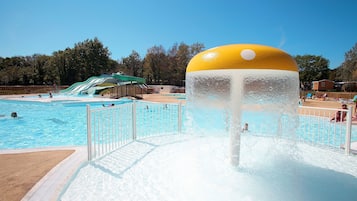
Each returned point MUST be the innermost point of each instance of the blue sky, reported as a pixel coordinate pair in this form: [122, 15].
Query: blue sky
[325, 28]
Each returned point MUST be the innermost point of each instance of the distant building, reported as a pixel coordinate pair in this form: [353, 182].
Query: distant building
[349, 86]
[323, 85]
[339, 85]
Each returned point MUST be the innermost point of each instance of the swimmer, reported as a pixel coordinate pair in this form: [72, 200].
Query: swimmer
[14, 115]
[245, 128]
[110, 105]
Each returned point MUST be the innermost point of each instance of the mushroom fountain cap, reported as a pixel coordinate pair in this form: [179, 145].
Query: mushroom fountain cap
[242, 56]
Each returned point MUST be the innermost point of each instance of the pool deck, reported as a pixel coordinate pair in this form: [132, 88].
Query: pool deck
[146, 97]
[51, 185]
[35, 98]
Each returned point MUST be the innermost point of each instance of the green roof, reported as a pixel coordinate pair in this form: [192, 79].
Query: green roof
[128, 78]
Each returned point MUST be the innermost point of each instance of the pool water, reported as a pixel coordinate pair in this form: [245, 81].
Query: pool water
[63, 123]
[49, 124]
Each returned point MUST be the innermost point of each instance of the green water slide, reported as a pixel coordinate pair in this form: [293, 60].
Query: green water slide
[77, 84]
[90, 85]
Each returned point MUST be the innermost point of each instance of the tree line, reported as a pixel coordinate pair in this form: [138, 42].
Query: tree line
[91, 58]
[159, 66]
[314, 68]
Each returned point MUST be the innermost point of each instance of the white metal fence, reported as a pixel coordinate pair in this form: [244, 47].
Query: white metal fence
[109, 128]
[316, 127]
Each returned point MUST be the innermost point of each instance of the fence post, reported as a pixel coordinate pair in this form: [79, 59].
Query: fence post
[134, 119]
[89, 134]
[179, 118]
[348, 130]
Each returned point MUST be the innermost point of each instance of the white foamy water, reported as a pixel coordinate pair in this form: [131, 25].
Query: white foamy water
[190, 167]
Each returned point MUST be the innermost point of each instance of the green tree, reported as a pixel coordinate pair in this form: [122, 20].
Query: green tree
[179, 57]
[348, 70]
[161, 67]
[133, 64]
[312, 68]
[91, 58]
[17, 70]
[196, 48]
[40, 74]
[156, 65]
[65, 64]
[86, 59]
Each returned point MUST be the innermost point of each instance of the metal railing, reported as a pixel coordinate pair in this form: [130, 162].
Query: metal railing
[109, 128]
[321, 126]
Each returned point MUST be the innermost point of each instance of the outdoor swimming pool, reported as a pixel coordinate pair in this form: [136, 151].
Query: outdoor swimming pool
[169, 167]
[45, 124]
[63, 123]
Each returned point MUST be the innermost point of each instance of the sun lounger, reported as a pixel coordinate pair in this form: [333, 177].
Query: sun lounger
[309, 96]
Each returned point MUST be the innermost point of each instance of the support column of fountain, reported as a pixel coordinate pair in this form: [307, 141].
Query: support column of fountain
[235, 120]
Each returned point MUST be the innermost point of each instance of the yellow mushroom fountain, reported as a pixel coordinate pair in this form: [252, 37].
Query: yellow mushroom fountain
[224, 81]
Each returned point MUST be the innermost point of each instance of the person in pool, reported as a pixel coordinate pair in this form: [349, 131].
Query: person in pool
[110, 105]
[340, 115]
[14, 115]
[245, 127]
